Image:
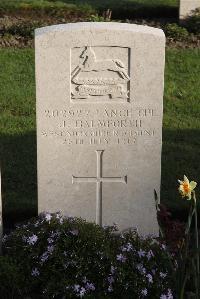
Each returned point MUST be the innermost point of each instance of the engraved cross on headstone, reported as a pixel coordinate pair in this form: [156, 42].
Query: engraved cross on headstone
[99, 179]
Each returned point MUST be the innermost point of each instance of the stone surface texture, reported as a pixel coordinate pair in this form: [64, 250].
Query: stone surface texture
[187, 7]
[99, 121]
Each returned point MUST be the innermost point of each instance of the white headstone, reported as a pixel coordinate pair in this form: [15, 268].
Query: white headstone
[187, 8]
[99, 121]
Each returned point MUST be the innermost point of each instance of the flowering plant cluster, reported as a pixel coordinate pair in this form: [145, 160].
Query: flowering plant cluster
[65, 257]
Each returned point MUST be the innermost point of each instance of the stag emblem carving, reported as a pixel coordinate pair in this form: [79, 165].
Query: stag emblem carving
[90, 63]
[110, 73]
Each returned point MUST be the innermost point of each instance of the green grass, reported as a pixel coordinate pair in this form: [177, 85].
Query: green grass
[181, 128]
[17, 127]
[28, 4]
[181, 125]
[121, 9]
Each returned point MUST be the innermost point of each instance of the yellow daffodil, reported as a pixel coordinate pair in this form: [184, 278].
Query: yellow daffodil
[186, 187]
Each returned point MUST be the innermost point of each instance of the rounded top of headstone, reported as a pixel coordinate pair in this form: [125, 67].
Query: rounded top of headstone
[101, 26]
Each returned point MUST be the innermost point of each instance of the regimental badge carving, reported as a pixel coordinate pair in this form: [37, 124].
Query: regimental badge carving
[97, 78]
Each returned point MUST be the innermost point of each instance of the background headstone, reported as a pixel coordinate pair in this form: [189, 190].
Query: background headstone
[99, 121]
[187, 8]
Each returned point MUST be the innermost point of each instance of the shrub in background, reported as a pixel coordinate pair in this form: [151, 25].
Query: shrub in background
[193, 22]
[106, 16]
[69, 258]
[176, 32]
[25, 29]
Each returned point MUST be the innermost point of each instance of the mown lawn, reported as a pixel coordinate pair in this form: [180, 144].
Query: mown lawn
[94, 3]
[181, 124]
[28, 4]
[121, 9]
[181, 129]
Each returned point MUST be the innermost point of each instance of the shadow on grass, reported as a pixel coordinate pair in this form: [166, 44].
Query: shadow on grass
[19, 177]
[180, 155]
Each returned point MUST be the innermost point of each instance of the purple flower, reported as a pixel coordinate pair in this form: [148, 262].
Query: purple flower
[36, 223]
[35, 272]
[90, 286]
[150, 278]
[163, 275]
[54, 234]
[121, 258]
[144, 292]
[32, 240]
[112, 269]
[141, 253]
[82, 292]
[50, 249]
[115, 227]
[110, 279]
[76, 288]
[163, 246]
[169, 294]
[128, 247]
[50, 240]
[163, 296]
[110, 289]
[74, 232]
[122, 236]
[141, 269]
[61, 220]
[123, 249]
[58, 215]
[150, 254]
[44, 257]
[48, 217]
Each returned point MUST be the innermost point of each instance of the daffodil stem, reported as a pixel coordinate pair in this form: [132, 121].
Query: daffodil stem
[197, 239]
[183, 287]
